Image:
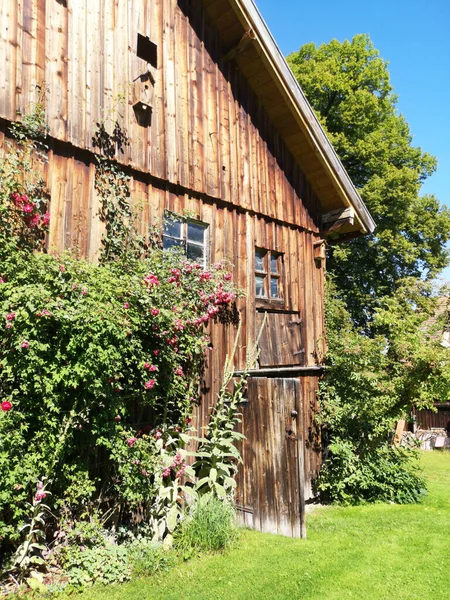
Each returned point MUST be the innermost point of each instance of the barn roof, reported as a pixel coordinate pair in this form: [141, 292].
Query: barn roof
[244, 32]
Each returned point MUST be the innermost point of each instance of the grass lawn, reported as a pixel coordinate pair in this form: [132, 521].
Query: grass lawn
[367, 552]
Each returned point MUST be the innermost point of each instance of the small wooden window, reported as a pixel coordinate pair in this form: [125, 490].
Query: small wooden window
[187, 235]
[268, 275]
[147, 50]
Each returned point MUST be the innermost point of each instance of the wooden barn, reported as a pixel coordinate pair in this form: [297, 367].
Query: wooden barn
[220, 131]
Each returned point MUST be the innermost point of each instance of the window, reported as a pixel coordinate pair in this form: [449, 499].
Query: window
[268, 275]
[190, 236]
[147, 50]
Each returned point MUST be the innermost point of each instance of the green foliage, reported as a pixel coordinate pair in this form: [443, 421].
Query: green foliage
[348, 86]
[33, 124]
[86, 553]
[209, 527]
[371, 382]
[100, 564]
[217, 457]
[29, 553]
[148, 558]
[101, 367]
[381, 361]
[381, 474]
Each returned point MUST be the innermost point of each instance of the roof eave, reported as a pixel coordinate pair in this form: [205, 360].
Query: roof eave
[303, 113]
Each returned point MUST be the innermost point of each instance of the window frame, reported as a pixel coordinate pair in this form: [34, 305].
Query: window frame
[184, 240]
[268, 275]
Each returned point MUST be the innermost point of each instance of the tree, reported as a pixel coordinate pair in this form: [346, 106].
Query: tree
[348, 86]
[381, 360]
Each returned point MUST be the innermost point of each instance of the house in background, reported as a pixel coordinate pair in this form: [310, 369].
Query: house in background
[438, 419]
[220, 131]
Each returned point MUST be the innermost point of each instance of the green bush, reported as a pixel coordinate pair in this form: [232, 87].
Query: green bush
[210, 527]
[147, 558]
[385, 474]
[373, 379]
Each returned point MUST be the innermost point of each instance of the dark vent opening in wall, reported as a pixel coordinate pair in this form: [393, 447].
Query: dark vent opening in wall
[147, 50]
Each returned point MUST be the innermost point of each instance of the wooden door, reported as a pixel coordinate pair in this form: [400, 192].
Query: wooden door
[270, 494]
[280, 342]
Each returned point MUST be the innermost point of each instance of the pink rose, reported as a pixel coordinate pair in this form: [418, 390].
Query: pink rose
[126, 305]
[62, 268]
[166, 472]
[155, 352]
[131, 441]
[151, 279]
[33, 221]
[6, 406]
[46, 219]
[10, 316]
[179, 371]
[149, 384]
[25, 345]
[28, 207]
[155, 312]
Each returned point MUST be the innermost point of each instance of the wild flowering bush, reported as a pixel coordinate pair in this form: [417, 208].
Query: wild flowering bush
[100, 366]
[99, 371]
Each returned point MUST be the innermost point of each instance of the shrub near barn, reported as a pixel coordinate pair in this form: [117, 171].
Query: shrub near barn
[100, 367]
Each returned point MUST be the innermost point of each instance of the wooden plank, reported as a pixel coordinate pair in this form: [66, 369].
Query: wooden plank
[77, 52]
[280, 342]
[212, 187]
[56, 49]
[168, 57]
[181, 48]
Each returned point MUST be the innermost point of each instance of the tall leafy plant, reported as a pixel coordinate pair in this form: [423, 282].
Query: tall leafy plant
[218, 457]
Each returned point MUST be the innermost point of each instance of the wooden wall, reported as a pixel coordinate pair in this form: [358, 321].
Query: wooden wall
[208, 132]
[427, 419]
[210, 149]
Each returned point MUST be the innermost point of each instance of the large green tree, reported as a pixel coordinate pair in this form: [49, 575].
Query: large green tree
[349, 88]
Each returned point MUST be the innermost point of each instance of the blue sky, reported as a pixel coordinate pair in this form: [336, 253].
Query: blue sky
[413, 35]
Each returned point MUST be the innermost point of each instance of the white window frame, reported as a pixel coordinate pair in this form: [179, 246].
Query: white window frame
[183, 239]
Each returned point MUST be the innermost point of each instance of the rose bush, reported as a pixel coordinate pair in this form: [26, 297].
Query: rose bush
[100, 363]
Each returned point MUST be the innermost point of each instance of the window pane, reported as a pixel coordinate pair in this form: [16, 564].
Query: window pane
[274, 287]
[196, 233]
[172, 227]
[274, 263]
[195, 252]
[169, 243]
[259, 260]
[260, 282]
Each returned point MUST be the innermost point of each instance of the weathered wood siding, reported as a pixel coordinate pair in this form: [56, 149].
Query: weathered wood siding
[210, 149]
[208, 132]
[427, 419]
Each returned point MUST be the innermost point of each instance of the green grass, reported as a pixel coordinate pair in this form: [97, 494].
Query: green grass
[367, 552]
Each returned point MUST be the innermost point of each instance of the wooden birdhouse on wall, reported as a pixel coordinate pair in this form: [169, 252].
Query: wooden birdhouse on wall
[144, 83]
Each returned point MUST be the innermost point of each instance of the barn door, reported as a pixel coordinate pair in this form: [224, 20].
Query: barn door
[270, 494]
[280, 342]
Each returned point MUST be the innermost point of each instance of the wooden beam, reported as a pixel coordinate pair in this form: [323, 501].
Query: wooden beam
[335, 219]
